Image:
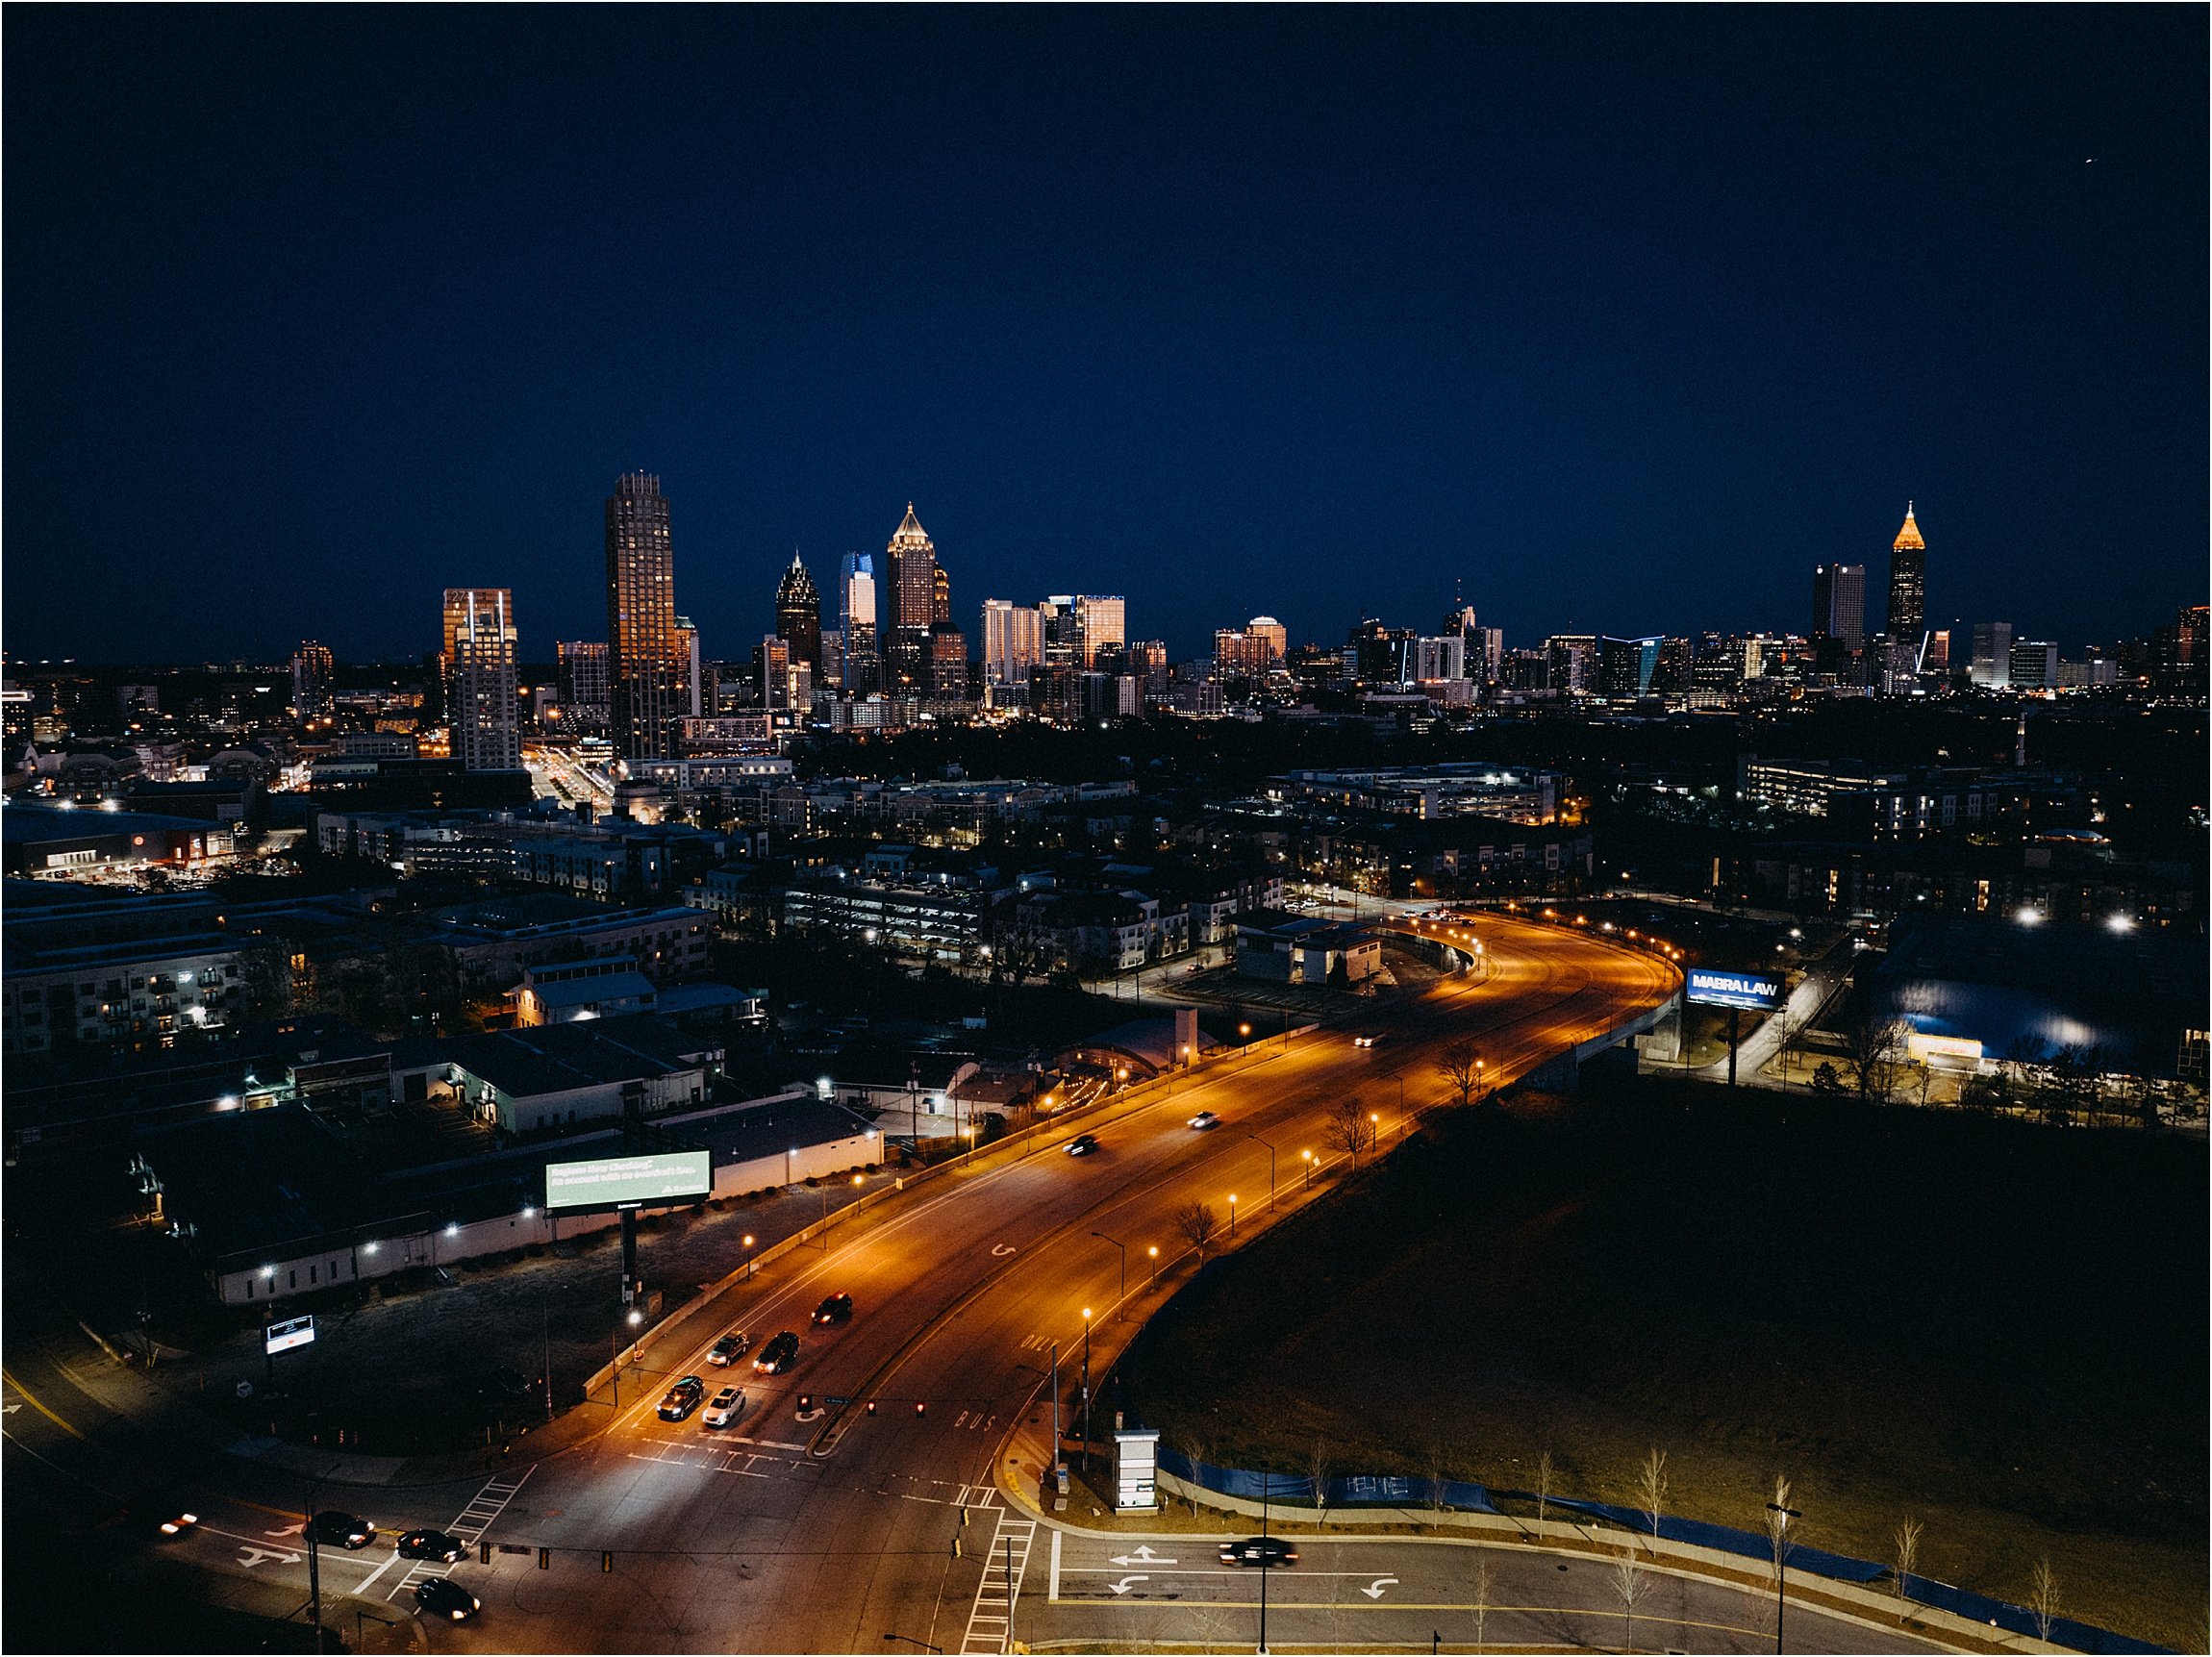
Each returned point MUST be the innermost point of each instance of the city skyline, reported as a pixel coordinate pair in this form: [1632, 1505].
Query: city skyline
[1573, 344]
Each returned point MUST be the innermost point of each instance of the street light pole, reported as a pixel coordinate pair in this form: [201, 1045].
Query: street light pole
[1232, 1213]
[1086, 1389]
[1056, 1442]
[1782, 1516]
[1124, 1254]
[314, 1566]
[1256, 1139]
[1263, 1488]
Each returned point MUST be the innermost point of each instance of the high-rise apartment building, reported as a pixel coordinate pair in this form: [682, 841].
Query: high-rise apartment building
[480, 684]
[2034, 665]
[947, 662]
[1570, 661]
[1908, 585]
[773, 666]
[799, 613]
[581, 673]
[1271, 642]
[939, 597]
[648, 664]
[1100, 622]
[1443, 657]
[1013, 641]
[693, 664]
[1485, 653]
[312, 676]
[1992, 667]
[1839, 602]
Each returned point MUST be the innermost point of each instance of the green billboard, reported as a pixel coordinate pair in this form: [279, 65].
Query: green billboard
[625, 1181]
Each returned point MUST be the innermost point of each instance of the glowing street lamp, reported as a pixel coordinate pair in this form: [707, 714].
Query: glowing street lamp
[1154, 1251]
[749, 1242]
[1232, 1213]
[1308, 1157]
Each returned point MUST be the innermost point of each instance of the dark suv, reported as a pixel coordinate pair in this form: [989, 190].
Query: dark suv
[683, 1398]
[778, 1355]
[1259, 1550]
[336, 1529]
[837, 1309]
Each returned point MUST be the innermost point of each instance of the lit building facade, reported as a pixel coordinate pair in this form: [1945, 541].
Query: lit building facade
[1013, 641]
[799, 613]
[480, 687]
[647, 663]
[1839, 602]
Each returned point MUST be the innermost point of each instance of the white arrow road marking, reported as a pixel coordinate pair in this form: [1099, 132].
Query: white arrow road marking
[1376, 1591]
[251, 1555]
[1122, 1587]
[1003, 1249]
[1142, 1556]
[8, 1409]
[299, 1529]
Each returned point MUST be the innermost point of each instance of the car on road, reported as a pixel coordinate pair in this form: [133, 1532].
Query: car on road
[1082, 1144]
[728, 1405]
[778, 1355]
[177, 1526]
[336, 1529]
[442, 1596]
[1205, 1120]
[440, 1545]
[1367, 1041]
[1267, 1550]
[836, 1309]
[681, 1399]
[729, 1348]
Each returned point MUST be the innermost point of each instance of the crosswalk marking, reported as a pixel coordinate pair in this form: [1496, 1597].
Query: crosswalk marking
[991, 1622]
[485, 1506]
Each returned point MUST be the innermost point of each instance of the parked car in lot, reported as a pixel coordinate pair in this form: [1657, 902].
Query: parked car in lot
[442, 1596]
[681, 1398]
[1259, 1550]
[437, 1545]
[778, 1355]
[336, 1529]
[1205, 1120]
[1082, 1144]
[727, 1406]
[836, 1309]
[729, 1348]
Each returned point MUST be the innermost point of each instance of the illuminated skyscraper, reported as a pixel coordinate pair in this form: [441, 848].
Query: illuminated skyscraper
[858, 607]
[1100, 624]
[1839, 602]
[799, 613]
[1908, 595]
[650, 667]
[311, 680]
[1013, 641]
[913, 605]
[480, 694]
[939, 597]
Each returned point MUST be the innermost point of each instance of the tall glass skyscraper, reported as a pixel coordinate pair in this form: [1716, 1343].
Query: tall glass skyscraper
[1908, 590]
[913, 605]
[857, 616]
[649, 665]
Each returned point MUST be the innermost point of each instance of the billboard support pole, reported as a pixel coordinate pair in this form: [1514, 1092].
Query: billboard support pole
[629, 1255]
[1735, 1020]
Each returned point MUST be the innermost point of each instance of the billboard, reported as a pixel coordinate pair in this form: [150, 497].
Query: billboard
[1753, 991]
[290, 1333]
[629, 1182]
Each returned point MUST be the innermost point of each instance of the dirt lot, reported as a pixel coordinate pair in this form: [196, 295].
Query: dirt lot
[1999, 1328]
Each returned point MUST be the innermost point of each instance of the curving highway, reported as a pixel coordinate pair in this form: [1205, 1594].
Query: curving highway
[838, 1533]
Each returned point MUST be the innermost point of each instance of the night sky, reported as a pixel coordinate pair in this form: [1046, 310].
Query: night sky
[1622, 318]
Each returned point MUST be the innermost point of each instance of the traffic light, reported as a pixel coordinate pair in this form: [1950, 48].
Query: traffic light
[544, 1559]
[483, 1553]
[607, 1561]
[806, 1403]
[920, 1408]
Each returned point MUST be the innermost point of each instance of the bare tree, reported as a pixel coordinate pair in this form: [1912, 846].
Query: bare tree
[1542, 1483]
[1629, 1583]
[1485, 1585]
[1779, 1538]
[2042, 1598]
[1651, 1485]
[1318, 1464]
[1349, 1129]
[1193, 1446]
[1461, 1065]
[1908, 1556]
[1870, 1050]
[1436, 1455]
[1197, 1222]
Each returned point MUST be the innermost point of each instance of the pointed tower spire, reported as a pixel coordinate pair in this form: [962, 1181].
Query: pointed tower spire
[1909, 538]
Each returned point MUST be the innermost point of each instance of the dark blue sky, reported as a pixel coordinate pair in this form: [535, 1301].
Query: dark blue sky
[1624, 319]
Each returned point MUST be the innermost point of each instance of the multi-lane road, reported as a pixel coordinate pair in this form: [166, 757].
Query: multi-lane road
[838, 1533]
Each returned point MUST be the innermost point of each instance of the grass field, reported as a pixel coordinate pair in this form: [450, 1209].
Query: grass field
[1999, 1328]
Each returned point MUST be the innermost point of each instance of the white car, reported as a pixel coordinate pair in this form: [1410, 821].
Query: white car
[1205, 1120]
[728, 1405]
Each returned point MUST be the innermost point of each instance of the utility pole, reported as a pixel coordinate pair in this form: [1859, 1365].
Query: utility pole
[1087, 1389]
[1056, 1414]
[545, 1311]
[1263, 1489]
[313, 1566]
